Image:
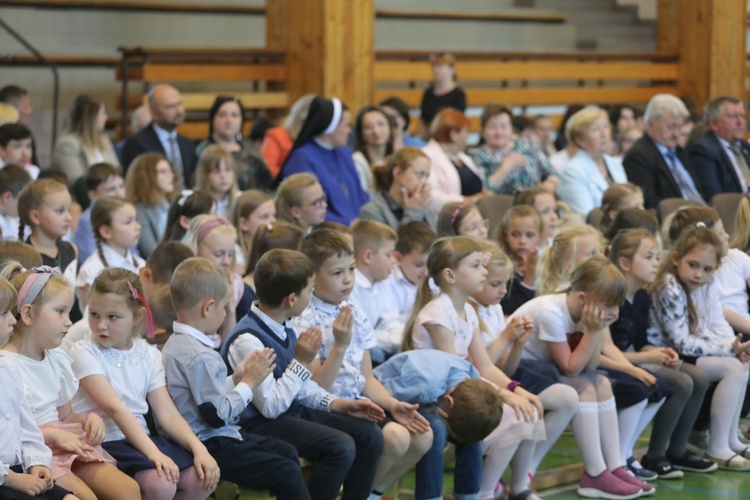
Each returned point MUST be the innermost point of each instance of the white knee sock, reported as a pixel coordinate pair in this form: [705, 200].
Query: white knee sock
[627, 422]
[609, 434]
[586, 432]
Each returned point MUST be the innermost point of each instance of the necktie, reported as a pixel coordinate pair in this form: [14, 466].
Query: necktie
[742, 163]
[688, 192]
[174, 156]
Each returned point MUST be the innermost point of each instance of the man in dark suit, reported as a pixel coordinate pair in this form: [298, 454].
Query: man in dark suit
[656, 162]
[721, 156]
[161, 135]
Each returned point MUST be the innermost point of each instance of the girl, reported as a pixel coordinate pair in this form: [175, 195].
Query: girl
[546, 204]
[79, 462]
[685, 314]
[504, 343]
[116, 229]
[462, 219]
[634, 218]
[300, 199]
[588, 307]
[122, 376]
[216, 174]
[277, 235]
[444, 320]
[182, 210]
[635, 252]
[23, 440]
[213, 238]
[252, 209]
[741, 237]
[569, 249]
[150, 186]
[44, 205]
[520, 236]
[21, 252]
[373, 142]
[402, 191]
[618, 197]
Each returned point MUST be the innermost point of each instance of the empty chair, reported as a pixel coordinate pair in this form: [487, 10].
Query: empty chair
[726, 204]
[493, 207]
[669, 205]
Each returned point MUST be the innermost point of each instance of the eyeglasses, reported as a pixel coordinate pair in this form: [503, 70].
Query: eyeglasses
[477, 226]
[320, 202]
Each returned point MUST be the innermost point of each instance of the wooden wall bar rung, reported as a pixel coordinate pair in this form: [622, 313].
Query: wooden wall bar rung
[217, 73]
[514, 17]
[539, 96]
[137, 6]
[395, 71]
[253, 100]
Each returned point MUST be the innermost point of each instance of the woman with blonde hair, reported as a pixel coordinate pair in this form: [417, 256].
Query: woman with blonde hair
[86, 143]
[278, 141]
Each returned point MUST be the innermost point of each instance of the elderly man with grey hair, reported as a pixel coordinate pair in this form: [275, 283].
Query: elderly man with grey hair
[656, 162]
[721, 155]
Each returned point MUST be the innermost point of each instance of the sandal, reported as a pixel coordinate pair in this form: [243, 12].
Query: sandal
[735, 462]
[745, 453]
[525, 495]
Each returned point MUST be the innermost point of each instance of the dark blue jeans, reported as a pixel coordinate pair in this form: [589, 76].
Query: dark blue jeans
[467, 477]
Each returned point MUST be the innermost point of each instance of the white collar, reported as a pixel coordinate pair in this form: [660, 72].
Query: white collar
[201, 337]
[323, 144]
[360, 279]
[278, 329]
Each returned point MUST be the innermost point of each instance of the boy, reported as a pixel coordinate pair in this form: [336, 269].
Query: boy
[288, 405]
[198, 383]
[412, 249]
[164, 315]
[13, 178]
[460, 406]
[15, 147]
[102, 179]
[344, 366]
[374, 244]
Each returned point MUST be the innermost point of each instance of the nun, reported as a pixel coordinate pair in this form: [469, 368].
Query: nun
[321, 148]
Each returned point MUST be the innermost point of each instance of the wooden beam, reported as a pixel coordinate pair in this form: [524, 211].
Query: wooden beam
[539, 96]
[513, 17]
[88, 61]
[394, 71]
[254, 100]
[218, 73]
[328, 44]
[136, 6]
[712, 49]
[530, 55]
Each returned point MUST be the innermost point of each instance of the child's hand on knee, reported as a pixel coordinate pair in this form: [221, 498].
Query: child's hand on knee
[407, 415]
[30, 484]
[207, 469]
[307, 345]
[165, 466]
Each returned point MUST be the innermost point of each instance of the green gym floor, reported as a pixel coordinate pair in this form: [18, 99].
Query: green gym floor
[716, 485]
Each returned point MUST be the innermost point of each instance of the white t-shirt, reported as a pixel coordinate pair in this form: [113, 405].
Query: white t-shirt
[440, 311]
[494, 322]
[349, 383]
[731, 280]
[552, 323]
[94, 265]
[48, 384]
[132, 373]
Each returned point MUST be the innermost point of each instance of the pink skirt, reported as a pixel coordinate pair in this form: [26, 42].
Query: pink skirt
[62, 460]
[512, 430]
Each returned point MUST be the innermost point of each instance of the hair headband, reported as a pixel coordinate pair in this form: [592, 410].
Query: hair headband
[336, 118]
[34, 284]
[149, 318]
[700, 224]
[184, 195]
[456, 212]
[209, 226]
